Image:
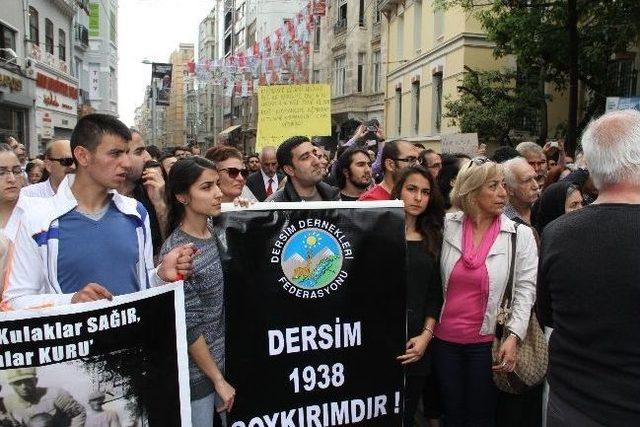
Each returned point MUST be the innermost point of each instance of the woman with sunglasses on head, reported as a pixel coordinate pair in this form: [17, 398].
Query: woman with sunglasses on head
[424, 217]
[475, 262]
[193, 196]
[233, 172]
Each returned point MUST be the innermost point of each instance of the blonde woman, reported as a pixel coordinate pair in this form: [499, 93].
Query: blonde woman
[474, 266]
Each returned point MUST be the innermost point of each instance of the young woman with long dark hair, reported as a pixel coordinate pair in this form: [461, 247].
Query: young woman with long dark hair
[424, 220]
[193, 196]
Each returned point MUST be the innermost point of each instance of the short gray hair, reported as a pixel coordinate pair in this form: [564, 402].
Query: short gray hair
[509, 173]
[611, 146]
[527, 147]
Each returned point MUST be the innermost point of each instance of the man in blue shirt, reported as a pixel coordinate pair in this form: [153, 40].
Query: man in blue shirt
[89, 242]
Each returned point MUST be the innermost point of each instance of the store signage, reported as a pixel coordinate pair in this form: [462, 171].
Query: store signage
[56, 86]
[14, 84]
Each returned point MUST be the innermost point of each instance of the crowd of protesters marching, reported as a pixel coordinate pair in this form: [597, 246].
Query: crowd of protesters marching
[102, 214]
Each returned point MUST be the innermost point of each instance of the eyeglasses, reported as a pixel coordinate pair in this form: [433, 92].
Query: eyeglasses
[15, 171]
[234, 172]
[64, 161]
[410, 160]
[478, 161]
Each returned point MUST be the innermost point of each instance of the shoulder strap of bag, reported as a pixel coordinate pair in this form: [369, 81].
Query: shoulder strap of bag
[508, 292]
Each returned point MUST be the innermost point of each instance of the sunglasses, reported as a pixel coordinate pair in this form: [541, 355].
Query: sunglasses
[64, 161]
[234, 172]
[478, 161]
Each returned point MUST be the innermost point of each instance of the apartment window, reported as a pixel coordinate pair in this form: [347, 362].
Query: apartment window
[399, 110]
[113, 84]
[48, 36]
[400, 38]
[417, 25]
[316, 35]
[342, 10]
[360, 82]
[437, 101]
[7, 40]
[624, 78]
[415, 106]
[438, 24]
[340, 76]
[62, 45]
[361, 14]
[34, 25]
[377, 71]
[316, 76]
[112, 25]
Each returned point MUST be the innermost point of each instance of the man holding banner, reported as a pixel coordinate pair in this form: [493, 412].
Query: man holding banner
[300, 160]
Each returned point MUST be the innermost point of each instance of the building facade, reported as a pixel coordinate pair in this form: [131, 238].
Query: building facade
[49, 32]
[349, 53]
[176, 119]
[17, 77]
[100, 63]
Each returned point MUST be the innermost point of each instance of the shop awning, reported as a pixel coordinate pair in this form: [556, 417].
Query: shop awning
[230, 129]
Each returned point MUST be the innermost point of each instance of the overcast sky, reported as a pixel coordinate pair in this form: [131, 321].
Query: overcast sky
[151, 29]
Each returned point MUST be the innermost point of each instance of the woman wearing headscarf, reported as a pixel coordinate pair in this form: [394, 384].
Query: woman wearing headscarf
[556, 200]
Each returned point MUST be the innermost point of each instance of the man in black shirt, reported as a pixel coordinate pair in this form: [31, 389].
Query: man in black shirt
[353, 173]
[589, 287]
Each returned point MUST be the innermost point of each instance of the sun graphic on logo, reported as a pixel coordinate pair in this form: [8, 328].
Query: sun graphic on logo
[312, 239]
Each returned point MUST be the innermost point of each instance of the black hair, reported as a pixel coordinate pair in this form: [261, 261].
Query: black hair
[32, 165]
[283, 154]
[181, 177]
[448, 173]
[391, 150]
[91, 128]
[505, 153]
[154, 152]
[344, 163]
[430, 223]
[254, 155]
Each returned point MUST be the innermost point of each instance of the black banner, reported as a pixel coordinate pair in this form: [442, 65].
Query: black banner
[163, 73]
[315, 310]
[129, 355]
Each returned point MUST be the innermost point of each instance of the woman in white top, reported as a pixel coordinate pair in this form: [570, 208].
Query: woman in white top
[10, 183]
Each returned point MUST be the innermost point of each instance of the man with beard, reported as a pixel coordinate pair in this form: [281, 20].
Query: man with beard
[146, 185]
[522, 188]
[300, 161]
[253, 163]
[353, 173]
[396, 155]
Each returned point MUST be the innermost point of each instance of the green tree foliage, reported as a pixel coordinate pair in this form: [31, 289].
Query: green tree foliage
[492, 103]
[570, 43]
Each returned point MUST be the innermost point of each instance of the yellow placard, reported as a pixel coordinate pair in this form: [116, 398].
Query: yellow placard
[290, 110]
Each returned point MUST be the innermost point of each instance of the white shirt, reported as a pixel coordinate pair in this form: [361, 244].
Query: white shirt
[41, 189]
[11, 229]
[274, 181]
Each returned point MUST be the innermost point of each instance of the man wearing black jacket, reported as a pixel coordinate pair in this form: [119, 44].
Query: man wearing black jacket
[266, 180]
[300, 160]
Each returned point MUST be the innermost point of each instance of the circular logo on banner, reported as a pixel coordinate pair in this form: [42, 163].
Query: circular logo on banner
[311, 259]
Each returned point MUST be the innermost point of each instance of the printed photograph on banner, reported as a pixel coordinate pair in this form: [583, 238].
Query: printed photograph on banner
[120, 363]
[327, 316]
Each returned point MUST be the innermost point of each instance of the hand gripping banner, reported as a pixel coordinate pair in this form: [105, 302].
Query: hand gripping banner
[315, 311]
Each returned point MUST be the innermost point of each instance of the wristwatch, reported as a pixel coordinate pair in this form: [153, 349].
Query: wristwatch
[511, 333]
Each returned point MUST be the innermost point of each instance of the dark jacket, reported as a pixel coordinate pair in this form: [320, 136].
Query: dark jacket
[289, 194]
[256, 185]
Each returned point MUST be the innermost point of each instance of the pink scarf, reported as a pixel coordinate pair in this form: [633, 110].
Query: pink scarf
[473, 259]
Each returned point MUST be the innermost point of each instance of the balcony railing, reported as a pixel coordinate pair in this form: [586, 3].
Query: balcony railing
[82, 35]
[34, 51]
[340, 26]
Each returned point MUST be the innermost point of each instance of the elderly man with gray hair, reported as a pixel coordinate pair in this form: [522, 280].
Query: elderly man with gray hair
[589, 286]
[522, 189]
[536, 158]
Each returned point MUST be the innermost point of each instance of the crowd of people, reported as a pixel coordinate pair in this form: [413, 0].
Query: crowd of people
[478, 231]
